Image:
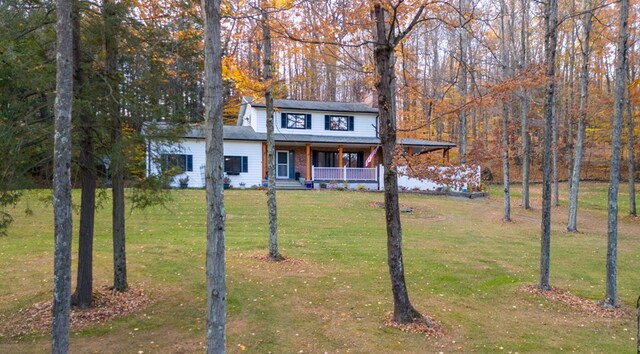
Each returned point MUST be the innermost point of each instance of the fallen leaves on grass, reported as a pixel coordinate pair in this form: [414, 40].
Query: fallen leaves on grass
[285, 260]
[585, 305]
[423, 325]
[108, 304]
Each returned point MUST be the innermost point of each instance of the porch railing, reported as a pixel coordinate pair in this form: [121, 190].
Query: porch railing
[343, 174]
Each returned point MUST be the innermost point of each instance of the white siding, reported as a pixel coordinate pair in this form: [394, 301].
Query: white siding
[250, 119]
[196, 148]
[253, 151]
[363, 124]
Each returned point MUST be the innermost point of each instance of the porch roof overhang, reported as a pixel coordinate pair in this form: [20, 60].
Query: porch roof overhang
[246, 133]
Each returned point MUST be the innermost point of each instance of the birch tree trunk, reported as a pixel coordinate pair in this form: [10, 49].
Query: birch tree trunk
[274, 253]
[62, 180]
[505, 116]
[587, 21]
[614, 177]
[216, 285]
[550, 42]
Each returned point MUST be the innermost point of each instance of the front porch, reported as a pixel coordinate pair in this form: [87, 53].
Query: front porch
[310, 163]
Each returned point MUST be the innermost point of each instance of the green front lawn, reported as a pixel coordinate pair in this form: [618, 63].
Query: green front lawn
[463, 267]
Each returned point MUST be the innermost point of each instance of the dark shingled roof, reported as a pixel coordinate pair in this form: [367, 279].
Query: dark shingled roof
[234, 132]
[324, 106]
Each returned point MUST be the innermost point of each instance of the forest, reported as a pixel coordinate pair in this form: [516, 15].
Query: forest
[453, 74]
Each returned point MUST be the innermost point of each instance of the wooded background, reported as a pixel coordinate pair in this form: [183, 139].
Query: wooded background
[453, 75]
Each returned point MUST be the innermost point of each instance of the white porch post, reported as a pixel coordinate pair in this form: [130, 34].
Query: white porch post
[344, 173]
[313, 173]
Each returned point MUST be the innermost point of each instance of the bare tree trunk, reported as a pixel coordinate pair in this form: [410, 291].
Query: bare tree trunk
[614, 177]
[117, 156]
[386, 41]
[62, 180]
[464, 38]
[554, 156]
[582, 116]
[505, 116]
[631, 157]
[524, 107]
[571, 97]
[83, 295]
[274, 253]
[216, 285]
[550, 42]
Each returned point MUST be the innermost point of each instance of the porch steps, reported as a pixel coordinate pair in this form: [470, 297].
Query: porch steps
[289, 184]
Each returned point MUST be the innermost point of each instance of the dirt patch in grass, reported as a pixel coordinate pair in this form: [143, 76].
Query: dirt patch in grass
[294, 262]
[587, 306]
[403, 208]
[423, 325]
[107, 305]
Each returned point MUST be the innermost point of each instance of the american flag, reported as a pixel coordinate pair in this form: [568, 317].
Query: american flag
[371, 155]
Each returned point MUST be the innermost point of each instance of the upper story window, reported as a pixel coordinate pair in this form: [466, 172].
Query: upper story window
[344, 123]
[296, 121]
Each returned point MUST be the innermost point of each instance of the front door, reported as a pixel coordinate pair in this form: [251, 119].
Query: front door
[282, 164]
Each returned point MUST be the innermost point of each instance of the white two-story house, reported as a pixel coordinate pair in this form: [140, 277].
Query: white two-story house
[316, 142]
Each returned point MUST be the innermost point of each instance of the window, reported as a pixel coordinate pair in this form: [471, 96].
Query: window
[180, 162]
[344, 123]
[353, 159]
[296, 121]
[234, 165]
[330, 159]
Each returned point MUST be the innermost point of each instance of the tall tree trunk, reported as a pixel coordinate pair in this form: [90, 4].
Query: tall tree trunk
[216, 285]
[82, 297]
[463, 82]
[631, 156]
[62, 180]
[117, 155]
[614, 177]
[550, 42]
[571, 97]
[274, 253]
[403, 311]
[582, 116]
[505, 116]
[554, 156]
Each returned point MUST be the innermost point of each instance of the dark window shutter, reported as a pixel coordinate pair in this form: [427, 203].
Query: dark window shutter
[245, 164]
[327, 122]
[350, 123]
[308, 125]
[284, 120]
[189, 162]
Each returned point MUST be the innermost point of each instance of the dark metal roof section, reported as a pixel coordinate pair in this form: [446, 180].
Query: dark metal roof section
[323, 106]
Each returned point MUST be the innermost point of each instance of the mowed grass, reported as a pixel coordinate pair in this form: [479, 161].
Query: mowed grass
[463, 267]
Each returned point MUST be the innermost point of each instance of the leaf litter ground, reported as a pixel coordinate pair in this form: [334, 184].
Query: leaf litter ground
[108, 304]
[587, 306]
